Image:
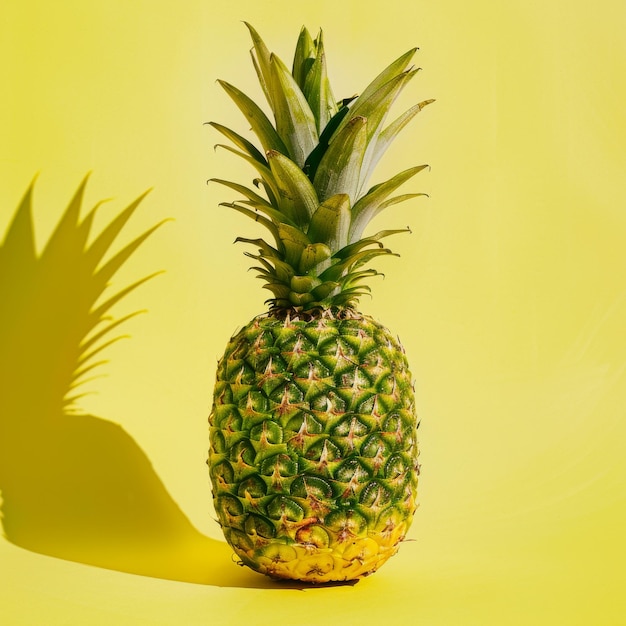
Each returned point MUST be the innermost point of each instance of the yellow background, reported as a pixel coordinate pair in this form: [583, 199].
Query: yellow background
[510, 295]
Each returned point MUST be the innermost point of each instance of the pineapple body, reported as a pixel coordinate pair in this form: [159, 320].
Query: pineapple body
[313, 446]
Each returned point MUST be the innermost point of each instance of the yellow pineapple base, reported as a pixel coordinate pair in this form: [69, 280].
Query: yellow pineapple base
[348, 560]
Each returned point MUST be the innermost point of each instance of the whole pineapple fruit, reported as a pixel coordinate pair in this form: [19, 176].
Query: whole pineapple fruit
[313, 450]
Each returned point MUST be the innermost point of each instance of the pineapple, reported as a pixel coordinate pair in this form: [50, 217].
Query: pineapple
[313, 450]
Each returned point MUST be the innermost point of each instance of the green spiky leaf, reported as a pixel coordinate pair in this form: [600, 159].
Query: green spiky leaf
[340, 167]
[298, 198]
[330, 223]
[295, 122]
[371, 203]
[317, 89]
[241, 142]
[254, 198]
[303, 58]
[386, 137]
[312, 255]
[313, 160]
[262, 127]
[391, 71]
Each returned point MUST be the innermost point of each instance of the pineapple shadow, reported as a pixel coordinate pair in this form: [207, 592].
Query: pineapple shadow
[76, 486]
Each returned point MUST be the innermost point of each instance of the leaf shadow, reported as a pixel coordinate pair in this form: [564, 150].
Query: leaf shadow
[77, 486]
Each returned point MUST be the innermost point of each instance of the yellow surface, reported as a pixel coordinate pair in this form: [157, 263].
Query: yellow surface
[509, 296]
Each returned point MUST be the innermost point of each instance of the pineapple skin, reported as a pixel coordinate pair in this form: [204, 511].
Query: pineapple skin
[313, 446]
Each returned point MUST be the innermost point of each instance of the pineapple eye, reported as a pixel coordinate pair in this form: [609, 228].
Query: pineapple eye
[228, 506]
[313, 536]
[311, 487]
[281, 464]
[223, 473]
[282, 507]
[324, 451]
[226, 418]
[350, 426]
[304, 424]
[252, 487]
[375, 495]
[243, 452]
[257, 525]
[351, 471]
[267, 431]
[375, 445]
[396, 468]
[218, 442]
[347, 523]
[329, 403]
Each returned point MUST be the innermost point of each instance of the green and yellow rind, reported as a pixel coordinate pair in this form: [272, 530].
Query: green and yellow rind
[313, 446]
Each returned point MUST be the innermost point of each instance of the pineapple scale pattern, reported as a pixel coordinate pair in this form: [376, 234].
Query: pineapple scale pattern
[313, 446]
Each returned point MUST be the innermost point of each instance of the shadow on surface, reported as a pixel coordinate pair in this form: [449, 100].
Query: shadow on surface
[75, 486]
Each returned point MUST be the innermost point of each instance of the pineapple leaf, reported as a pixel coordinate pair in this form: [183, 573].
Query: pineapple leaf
[376, 109]
[392, 70]
[262, 127]
[277, 270]
[336, 271]
[317, 89]
[298, 198]
[397, 199]
[339, 168]
[276, 216]
[266, 174]
[301, 299]
[303, 58]
[294, 119]
[257, 217]
[313, 255]
[387, 135]
[294, 242]
[304, 284]
[261, 61]
[313, 160]
[369, 205]
[240, 142]
[265, 249]
[325, 289]
[348, 297]
[279, 290]
[357, 276]
[355, 247]
[258, 183]
[361, 290]
[331, 222]
[255, 199]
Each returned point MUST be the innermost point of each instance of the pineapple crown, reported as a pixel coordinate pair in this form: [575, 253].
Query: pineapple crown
[317, 159]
